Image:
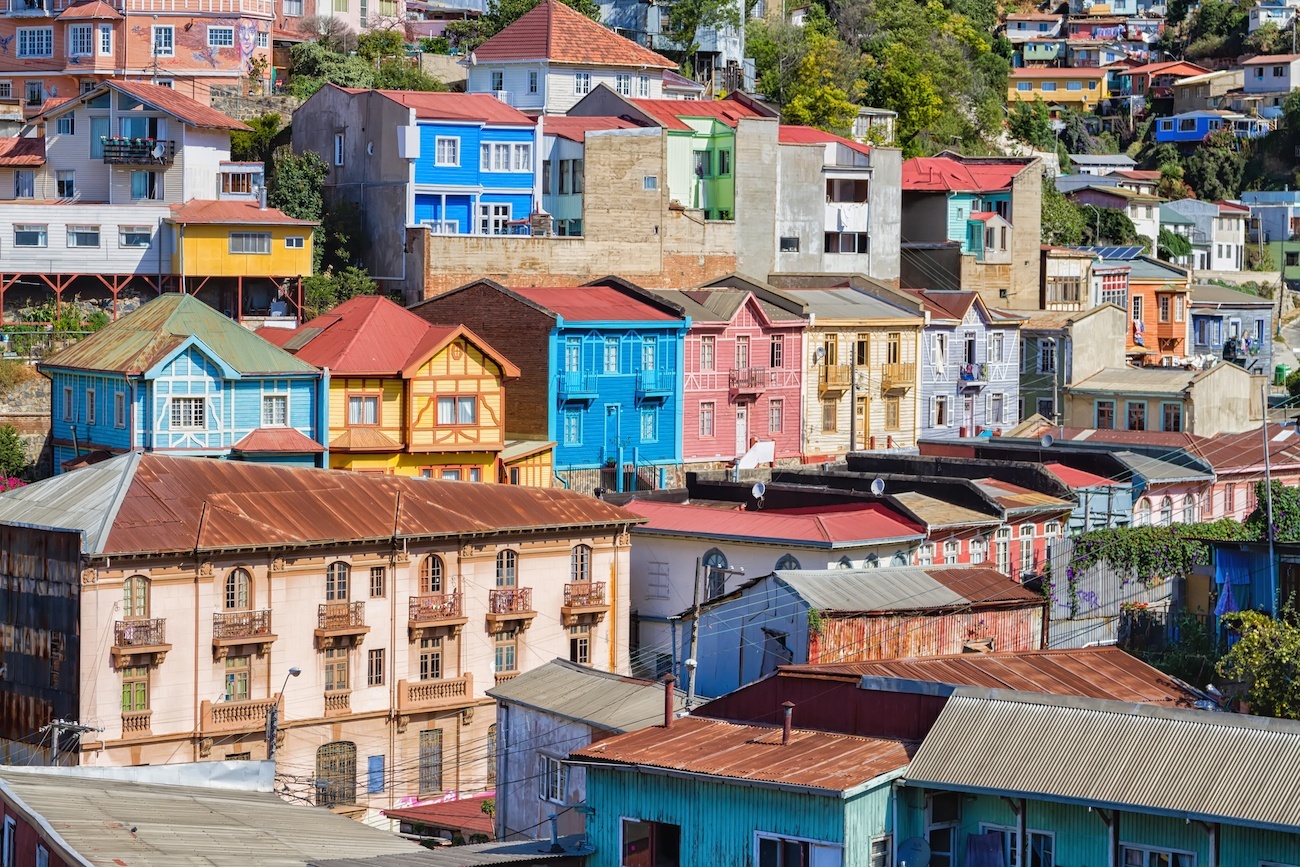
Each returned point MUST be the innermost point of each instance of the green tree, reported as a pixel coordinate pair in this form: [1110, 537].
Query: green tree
[687, 17]
[315, 64]
[1215, 169]
[1266, 660]
[1172, 186]
[380, 43]
[1063, 222]
[13, 454]
[1268, 38]
[1171, 245]
[1031, 123]
[296, 182]
[1103, 226]
[815, 97]
[1286, 512]
[255, 145]
[328, 289]
[1075, 136]
[396, 73]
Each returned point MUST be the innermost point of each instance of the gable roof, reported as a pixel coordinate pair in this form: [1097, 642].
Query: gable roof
[575, 128]
[164, 99]
[611, 702]
[231, 213]
[22, 151]
[903, 588]
[846, 302]
[1176, 67]
[1270, 58]
[1206, 294]
[668, 113]
[945, 173]
[149, 503]
[555, 32]
[854, 525]
[718, 305]
[789, 134]
[87, 11]
[433, 105]
[596, 304]
[371, 335]
[136, 343]
[1187, 764]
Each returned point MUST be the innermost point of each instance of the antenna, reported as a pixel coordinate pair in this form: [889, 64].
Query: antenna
[758, 490]
[877, 486]
[1046, 441]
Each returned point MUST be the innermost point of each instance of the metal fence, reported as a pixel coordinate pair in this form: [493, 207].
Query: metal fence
[1089, 607]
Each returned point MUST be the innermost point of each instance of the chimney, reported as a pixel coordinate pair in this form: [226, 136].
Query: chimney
[669, 680]
[786, 724]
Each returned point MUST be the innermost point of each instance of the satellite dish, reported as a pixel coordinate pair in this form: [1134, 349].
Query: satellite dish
[158, 151]
[913, 852]
[877, 486]
[473, 59]
[758, 490]
[1046, 441]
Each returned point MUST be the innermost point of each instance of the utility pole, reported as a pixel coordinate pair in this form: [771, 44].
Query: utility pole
[1268, 499]
[57, 727]
[691, 662]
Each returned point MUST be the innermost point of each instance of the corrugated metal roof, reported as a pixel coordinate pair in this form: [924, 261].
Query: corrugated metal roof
[115, 822]
[285, 440]
[814, 759]
[231, 213]
[173, 102]
[22, 151]
[1139, 380]
[474, 854]
[1208, 293]
[793, 134]
[594, 304]
[93, 9]
[1093, 672]
[1015, 498]
[949, 174]
[904, 588]
[134, 344]
[599, 699]
[1155, 760]
[1156, 471]
[463, 813]
[669, 112]
[1079, 479]
[576, 128]
[844, 302]
[936, 513]
[152, 503]
[830, 527]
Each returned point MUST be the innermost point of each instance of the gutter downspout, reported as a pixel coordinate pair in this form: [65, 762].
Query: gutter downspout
[323, 415]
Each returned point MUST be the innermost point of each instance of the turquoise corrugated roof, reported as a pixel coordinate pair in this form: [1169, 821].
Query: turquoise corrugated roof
[137, 342]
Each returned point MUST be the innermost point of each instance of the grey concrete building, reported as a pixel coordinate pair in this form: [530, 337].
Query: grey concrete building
[1061, 348]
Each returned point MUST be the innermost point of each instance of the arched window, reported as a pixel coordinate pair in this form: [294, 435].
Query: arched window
[431, 572]
[135, 597]
[336, 774]
[580, 564]
[1167, 511]
[786, 563]
[1189, 509]
[239, 590]
[507, 569]
[715, 578]
[1144, 512]
[336, 581]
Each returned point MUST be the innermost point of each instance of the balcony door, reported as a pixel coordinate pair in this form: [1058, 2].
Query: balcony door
[144, 127]
[612, 416]
[742, 428]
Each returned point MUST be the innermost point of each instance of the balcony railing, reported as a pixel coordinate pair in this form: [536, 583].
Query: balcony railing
[898, 376]
[749, 379]
[434, 694]
[237, 625]
[834, 377]
[338, 702]
[135, 723]
[138, 151]
[502, 676]
[232, 716]
[149, 632]
[511, 605]
[336, 620]
[655, 383]
[584, 601]
[432, 607]
[576, 385]
[972, 374]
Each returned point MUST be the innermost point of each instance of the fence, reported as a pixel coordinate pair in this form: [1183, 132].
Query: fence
[1089, 608]
[17, 342]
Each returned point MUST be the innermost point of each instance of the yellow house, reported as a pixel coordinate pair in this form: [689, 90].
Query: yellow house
[1080, 88]
[414, 399]
[249, 259]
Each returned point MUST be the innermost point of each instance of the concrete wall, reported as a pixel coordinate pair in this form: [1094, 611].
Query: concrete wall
[1225, 401]
[1096, 342]
[759, 160]
[1026, 238]
[886, 213]
[924, 217]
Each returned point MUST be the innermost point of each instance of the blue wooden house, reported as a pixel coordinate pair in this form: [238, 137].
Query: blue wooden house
[177, 376]
[970, 366]
[601, 372]
[1234, 326]
[1191, 127]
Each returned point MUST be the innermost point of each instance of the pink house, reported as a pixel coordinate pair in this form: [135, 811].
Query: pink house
[743, 373]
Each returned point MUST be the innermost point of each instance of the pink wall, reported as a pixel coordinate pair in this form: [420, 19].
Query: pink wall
[784, 384]
[940, 538]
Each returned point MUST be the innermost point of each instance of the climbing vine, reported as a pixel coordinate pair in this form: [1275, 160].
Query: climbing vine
[1286, 513]
[1151, 554]
[814, 621]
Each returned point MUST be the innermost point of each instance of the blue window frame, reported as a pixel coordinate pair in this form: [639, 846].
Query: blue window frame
[375, 775]
[611, 360]
[572, 427]
[649, 424]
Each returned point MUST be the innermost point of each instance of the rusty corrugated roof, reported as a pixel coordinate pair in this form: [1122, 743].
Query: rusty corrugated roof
[812, 759]
[937, 514]
[1015, 498]
[1092, 672]
[152, 504]
[284, 440]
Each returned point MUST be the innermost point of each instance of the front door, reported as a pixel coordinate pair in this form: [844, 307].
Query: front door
[968, 414]
[611, 432]
[860, 424]
[742, 428]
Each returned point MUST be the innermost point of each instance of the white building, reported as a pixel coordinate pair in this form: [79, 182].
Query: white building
[1271, 73]
[1219, 236]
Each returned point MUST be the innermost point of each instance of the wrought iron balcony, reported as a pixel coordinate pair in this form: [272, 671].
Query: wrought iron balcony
[584, 601]
[511, 606]
[341, 621]
[138, 151]
[237, 628]
[898, 376]
[433, 611]
[834, 377]
[749, 380]
[143, 637]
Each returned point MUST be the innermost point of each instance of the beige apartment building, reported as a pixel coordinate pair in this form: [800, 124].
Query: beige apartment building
[166, 602]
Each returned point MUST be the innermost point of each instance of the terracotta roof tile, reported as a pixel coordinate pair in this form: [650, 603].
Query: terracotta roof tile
[553, 31]
[85, 11]
[18, 151]
[227, 212]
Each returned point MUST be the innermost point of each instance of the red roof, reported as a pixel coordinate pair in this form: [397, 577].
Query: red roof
[1023, 72]
[221, 211]
[1270, 58]
[811, 135]
[1246, 449]
[576, 128]
[1079, 479]
[594, 304]
[456, 106]
[553, 31]
[178, 105]
[1152, 175]
[465, 814]
[1174, 67]
[669, 112]
[1230, 206]
[946, 174]
[86, 11]
[277, 439]
[19, 151]
[824, 527]
[371, 335]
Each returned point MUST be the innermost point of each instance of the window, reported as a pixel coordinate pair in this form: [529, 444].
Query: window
[83, 236]
[221, 37]
[42, 856]
[623, 84]
[1074, 85]
[250, 242]
[1173, 416]
[1167, 511]
[430, 659]
[458, 410]
[24, 184]
[498, 78]
[1136, 412]
[706, 418]
[363, 409]
[893, 412]
[532, 81]
[657, 580]
[580, 564]
[978, 551]
[36, 41]
[649, 349]
[1189, 509]
[777, 357]
[572, 427]
[66, 124]
[650, 183]
[378, 579]
[68, 404]
[164, 41]
[1105, 410]
[135, 597]
[997, 409]
[708, 347]
[119, 410]
[447, 150]
[830, 416]
[724, 163]
[775, 410]
[611, 355]
[715, 575]
[649, 424]
[1049, 85]
[507, 568]
[1041, 846]
[997, 345]
[862, 349]
[375, 667]
[643, 87]
[1147, 856]
[941, 415]
[238, 669]
[188, 413]
[1002, 550]
[554, 779]
[238, 590]
[893, 347]
[6, 90]
[522, 159]
[431, 572]
[651, 843]
[577, 176]
[336, 773]
[1024, 86]
[264, 41]
[1180, 304]
[374, 775]
[741, 360]
[1026, 548]
[505, 647]
[338, 149]
[66, 184]
[106, 40]
[789, 244]
[951, 552]
[1137, 308]
[582, 83]
[1143, 513]
[35, 92]
[336, 581]
[275, 410]
[134, 236]
[135, 698]
[580, 644]
[1163, 302]
[336, 669]
[703, 162]
[148, 185]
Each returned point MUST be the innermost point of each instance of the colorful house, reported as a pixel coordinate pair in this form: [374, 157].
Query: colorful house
[600, 373]
[742, 376]
[407, 397]
[1234, 326]
[1077, 88]
[177, 376]
[1193, 126]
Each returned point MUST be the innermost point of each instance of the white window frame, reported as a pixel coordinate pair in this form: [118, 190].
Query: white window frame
[295, 242]
[521, 157]
[174, 407]
[623, 83]
[163, 40]
[104, 40]
[124, 231]
[1011, 845]
[222, 32]
[68, 414]
[582, 83]
[90, 406]
[281, 398]
[84, 34]
[74, 232]
[1150, 850]
[42, 228]
[555, 779]
[35, 42]
[262, 249]
[454, 143]
[826, 845]
[119, 410]
[643, 86]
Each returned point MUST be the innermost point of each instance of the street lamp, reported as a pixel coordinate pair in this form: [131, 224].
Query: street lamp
[273, 714]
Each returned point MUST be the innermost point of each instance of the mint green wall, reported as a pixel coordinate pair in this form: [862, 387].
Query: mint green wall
[718, 192]
[681, 178]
